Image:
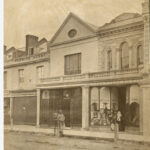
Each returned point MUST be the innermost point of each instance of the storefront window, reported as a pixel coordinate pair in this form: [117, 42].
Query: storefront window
[107, 101]
[100, 107]
[132, 107]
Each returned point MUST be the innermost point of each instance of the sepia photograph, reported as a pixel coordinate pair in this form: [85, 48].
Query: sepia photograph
[76, 75]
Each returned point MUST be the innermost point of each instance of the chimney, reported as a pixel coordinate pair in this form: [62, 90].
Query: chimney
[31, 42]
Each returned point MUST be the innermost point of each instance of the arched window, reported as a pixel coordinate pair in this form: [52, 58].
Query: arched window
[139, 55]
[124, 55]
[109, 58]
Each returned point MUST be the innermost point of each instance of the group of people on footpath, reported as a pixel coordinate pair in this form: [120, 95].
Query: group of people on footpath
[59, 123]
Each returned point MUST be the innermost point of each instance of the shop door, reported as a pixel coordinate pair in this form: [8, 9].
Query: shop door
[122, 106]
[76, 108]
[55, 104]
[44, 114]
[66, 111]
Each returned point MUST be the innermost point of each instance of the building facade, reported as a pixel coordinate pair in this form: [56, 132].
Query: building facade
[91, 72]
[21, 74]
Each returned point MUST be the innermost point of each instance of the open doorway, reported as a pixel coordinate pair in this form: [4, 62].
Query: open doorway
[122, 106]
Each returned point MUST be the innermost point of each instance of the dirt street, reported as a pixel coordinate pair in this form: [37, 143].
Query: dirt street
[28, 141]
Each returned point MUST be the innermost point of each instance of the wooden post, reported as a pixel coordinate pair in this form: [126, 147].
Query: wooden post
[116, 133]
[11, 112]
[38, 108]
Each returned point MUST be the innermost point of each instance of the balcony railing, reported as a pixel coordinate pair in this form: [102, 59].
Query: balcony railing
[28, 58]
[93, 76]
[32, 57]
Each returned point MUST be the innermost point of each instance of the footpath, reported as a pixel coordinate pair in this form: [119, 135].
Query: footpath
[79, 133]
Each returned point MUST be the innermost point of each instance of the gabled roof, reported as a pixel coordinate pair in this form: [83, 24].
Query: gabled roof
[43, 40]
[11, 49]
[91, 27]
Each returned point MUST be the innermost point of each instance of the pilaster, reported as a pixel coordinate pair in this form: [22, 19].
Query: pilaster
[146, 19]
[145, 110]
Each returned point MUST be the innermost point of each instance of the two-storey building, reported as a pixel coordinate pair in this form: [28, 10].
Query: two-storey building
[91, 73]
[21, 74]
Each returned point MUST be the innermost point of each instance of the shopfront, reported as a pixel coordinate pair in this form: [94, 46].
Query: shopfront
[68, 100]
[24, 110]
[106, 101]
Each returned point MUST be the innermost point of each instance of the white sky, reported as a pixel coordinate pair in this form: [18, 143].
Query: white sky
[43, 17]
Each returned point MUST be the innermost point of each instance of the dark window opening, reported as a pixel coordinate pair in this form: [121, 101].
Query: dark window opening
[32, 51]
[124, 56]
[139, 55]
[73, 64]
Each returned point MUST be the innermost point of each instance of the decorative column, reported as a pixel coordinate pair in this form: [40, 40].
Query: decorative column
[38, 108]
[145, 12]
[85, 107]
[11, 112]
[146, 72]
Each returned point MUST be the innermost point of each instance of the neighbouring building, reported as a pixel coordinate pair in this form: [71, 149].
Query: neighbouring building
[88, 72]
[22, 71]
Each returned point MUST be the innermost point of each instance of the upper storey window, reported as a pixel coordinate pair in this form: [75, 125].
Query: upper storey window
[109, 60]
[73, 64]
[21, 75]
[40, 72]
[124, 55]
[31, 51]
[139, 55]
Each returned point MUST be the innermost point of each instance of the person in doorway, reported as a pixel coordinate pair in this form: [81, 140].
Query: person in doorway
[120, 121]
[61, 122]
[55, 115]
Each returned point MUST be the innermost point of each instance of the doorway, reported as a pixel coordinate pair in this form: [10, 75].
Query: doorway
[67, 100]
[122, 106]
[66, 111]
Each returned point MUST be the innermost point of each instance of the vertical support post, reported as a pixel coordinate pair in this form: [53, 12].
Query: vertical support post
[38, 108]
[85, 107]
[116, 136]
[141, 108]
[98, 98]
[11, 112]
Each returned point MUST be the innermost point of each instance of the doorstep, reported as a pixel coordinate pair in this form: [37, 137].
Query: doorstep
[79, 133]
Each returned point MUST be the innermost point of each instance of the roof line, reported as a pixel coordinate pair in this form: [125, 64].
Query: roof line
[65, 21]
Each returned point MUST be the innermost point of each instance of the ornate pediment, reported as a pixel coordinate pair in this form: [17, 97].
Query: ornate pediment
[121, 18]
[73, 28]
[125, 16]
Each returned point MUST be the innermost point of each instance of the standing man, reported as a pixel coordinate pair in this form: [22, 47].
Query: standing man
[55, 116]
[61, 122]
